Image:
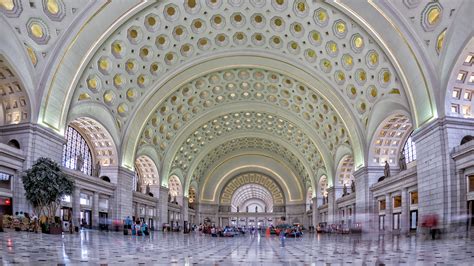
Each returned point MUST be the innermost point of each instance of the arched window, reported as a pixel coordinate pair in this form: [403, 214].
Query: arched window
[75, 147]
[410, 150]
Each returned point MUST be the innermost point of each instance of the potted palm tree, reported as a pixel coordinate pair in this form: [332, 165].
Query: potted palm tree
[45, 185]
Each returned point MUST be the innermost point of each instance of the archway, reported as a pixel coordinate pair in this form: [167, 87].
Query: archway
[344, 176]
[147, 172]
[389, 139]
[175, 190]
[252, 198]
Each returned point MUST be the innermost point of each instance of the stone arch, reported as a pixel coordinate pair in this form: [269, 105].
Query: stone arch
[105, 178]
[147, 172]
[344, 175]
[99, 139]
[322, 193]
[191, 143]
[252, 194]
[102, 118]
[389, 139]
[257, 162]
[466, 139]
[223, 150]
[175, 189]
[14, 143]
[232, 186]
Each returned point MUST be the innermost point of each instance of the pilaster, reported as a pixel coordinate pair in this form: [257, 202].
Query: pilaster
[405, 216]
[315, 212]
[123, 196]
[95, 211]
[388, 213]
[76, 207]
[162, 207]
[185, 210]
[331, 205]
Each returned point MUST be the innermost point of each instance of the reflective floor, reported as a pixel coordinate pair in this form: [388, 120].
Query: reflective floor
[93, 247]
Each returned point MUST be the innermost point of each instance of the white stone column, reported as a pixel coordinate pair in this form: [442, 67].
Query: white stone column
[332, 210]
[76, 206]
[185, 211]
[315, 212]
[405, 215]
[388, 213]
[123, 194]
[95, 211]
[162, 207]
[364, 178]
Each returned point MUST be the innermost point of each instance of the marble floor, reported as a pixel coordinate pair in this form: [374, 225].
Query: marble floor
[113, 248]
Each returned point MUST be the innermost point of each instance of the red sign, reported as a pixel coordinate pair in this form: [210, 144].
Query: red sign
[7, 202]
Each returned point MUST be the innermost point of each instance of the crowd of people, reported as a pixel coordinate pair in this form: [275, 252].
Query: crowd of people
[137, 227]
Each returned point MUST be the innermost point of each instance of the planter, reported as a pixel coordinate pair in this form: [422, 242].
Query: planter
[55, 230]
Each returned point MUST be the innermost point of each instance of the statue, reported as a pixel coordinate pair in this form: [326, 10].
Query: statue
[247, 208]
[169, 197]
[353, 187]
[402, 162]
[147, 189]
[238, 209]
[386, 170]
[97, 169]
[256, 209]
[79, 162]
[265, 208]
[344, 190]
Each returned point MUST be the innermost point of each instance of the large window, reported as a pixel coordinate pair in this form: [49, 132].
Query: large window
[75, 148]
[410, 150]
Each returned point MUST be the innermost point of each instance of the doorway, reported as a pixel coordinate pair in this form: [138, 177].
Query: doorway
[103, 224]
[86, 219]
[413, 220]
[381, 222]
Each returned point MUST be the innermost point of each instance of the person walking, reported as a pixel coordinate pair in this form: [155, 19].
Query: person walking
[282, 238]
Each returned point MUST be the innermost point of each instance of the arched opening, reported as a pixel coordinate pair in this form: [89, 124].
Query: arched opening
[105, 178]
[175, 190]
[466, 139]
[252, 198]
[147, 173]
[99, 139]
[389, 139]
[76, 152]
[345, 176]
[14, 143]
[322, 190]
